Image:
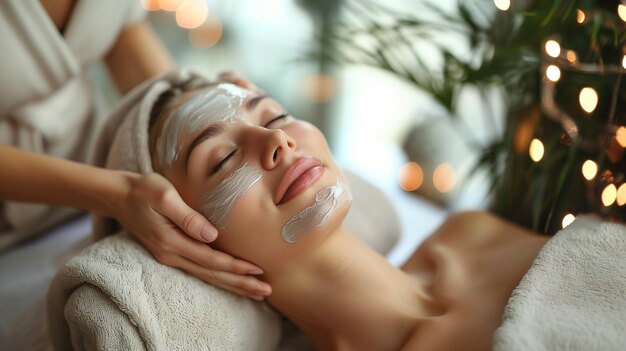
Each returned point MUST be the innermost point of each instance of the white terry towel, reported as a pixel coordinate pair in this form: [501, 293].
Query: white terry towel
[574, 295]
[114, 295]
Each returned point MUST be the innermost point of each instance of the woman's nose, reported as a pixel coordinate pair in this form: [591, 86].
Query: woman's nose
[278, 145]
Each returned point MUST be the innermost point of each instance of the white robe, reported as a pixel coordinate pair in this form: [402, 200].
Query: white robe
[46, 100]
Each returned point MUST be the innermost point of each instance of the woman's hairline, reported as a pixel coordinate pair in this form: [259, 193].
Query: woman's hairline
[169, 100]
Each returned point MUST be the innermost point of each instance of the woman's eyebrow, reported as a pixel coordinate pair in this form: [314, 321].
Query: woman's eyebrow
[252, 103]
[208, 133]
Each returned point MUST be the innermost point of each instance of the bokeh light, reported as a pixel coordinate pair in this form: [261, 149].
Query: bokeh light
[536, 150]
[169, 5]
[620, 136]
[502, 5]
[580, 16]
[621, 11]
[621, 195]
[319, 88]
[609, 195]
[151, 5]
[588, 99]
[553, 48]
[589, 169]
[444, 177]
[567, 220]
[553, 73]
[571, 56]
[411, 176]
[191, 13]
[624, 61]
[207, 35]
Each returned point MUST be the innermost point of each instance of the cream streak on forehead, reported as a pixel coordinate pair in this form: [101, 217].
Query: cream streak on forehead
[221, 103]
[218, 203]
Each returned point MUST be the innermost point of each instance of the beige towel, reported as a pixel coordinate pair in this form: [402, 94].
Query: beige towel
[574, 295]
[115, 295]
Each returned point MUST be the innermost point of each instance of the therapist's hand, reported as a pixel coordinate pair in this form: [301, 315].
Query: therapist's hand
[178, 236]
[240, 80]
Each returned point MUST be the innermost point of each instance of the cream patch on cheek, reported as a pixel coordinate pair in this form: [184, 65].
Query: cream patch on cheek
[218, 104]
[218, 203]
[327, 201]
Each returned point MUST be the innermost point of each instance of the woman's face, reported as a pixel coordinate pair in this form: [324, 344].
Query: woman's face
[266, 179]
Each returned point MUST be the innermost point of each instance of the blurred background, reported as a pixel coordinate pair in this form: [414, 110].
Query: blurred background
[512, 106]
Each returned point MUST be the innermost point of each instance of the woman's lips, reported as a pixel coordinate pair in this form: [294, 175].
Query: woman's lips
[301, 175]
[302, 183]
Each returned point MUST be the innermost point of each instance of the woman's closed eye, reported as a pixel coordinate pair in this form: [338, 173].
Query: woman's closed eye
[276, 120]
[219, 165]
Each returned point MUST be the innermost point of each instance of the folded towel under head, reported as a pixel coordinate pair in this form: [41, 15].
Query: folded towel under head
[115, 296]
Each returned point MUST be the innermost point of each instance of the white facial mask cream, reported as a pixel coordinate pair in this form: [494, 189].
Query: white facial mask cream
[218, 203]
[327, 201]
[220, 103]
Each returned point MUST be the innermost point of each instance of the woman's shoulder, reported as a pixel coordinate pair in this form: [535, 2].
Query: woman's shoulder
[469, 265]
[472, 217]
[477, 226]
[465, 234]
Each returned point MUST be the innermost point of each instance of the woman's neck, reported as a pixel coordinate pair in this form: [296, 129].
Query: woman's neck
[344, 295]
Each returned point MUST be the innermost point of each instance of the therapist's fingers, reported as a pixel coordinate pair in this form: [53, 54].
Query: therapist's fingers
[156, 214]
[187, 219]
[235, 78]
[238, 79]
[151, 206]
[172, 253]
[212, 259]
[243, 285]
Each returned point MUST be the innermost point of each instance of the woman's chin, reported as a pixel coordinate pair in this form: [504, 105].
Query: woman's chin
[318, 234]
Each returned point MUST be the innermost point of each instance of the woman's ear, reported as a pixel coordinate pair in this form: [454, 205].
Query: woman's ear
[239, 80]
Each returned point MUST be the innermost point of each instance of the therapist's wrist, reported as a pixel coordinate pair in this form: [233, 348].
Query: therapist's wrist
[113, 195]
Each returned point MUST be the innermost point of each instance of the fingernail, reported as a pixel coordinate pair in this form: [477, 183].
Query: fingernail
[264, 290]
[208, 234]
[257, 297]
[256, 271]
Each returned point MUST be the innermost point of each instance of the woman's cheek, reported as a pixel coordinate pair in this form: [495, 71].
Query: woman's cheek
[309, 130]
[308, 138]
[314, 141]
[251, 225]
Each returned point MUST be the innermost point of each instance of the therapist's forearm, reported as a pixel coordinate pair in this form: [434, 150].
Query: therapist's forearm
[30, 177]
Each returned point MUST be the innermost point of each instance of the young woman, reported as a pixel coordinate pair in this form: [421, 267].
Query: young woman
[270, 184]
